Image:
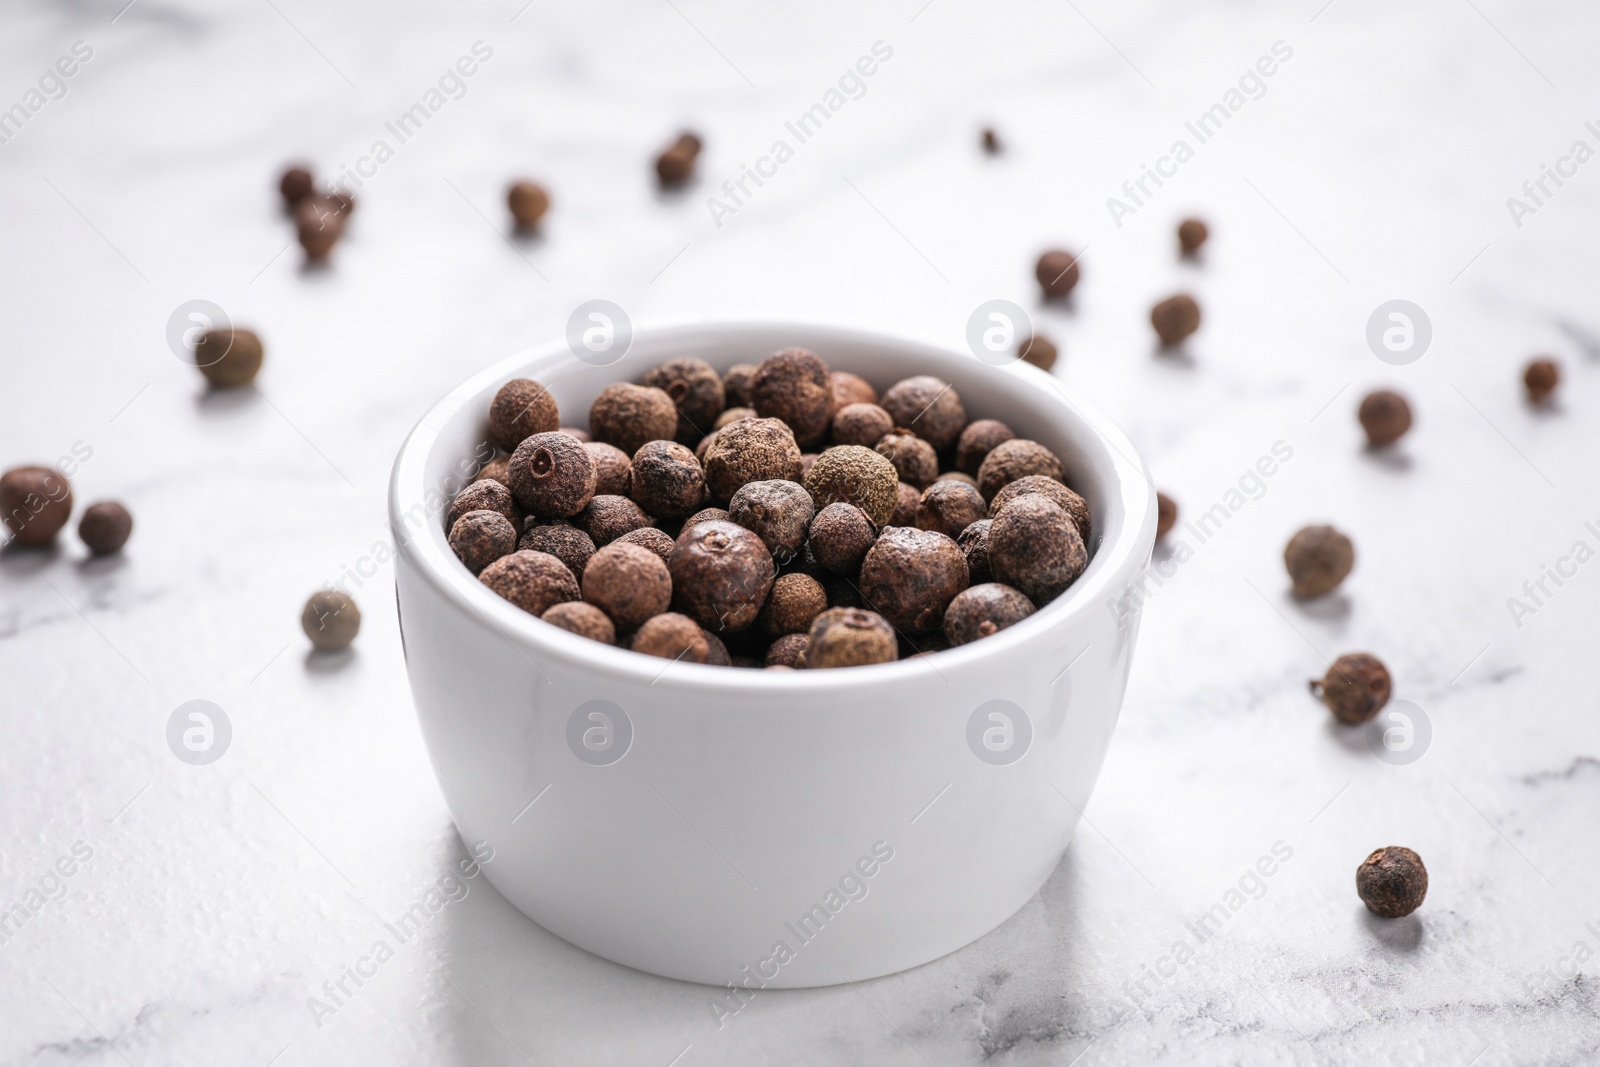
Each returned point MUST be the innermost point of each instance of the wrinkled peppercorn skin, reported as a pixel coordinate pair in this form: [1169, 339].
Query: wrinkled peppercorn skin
[1392, 882]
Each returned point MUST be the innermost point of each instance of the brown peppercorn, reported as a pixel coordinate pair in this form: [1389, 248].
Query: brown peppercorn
[1166, 515]
[484, 495]
[497, 469]
[1540, 378]
[849, 637]
[607, 518]
[777, 511]
[695, 389]
[582, 619]
[630, 416]
[1355, 688]
[629, 583]
[1057, 273]
[910, 575]
[861, 424]
[1035, 547]
[576, 434]
[990, 141]
[977, 441]
[1064, 498]
[795, 600]
[788, 651]
[850, 389]
[1385, 416]
[855, 475]
[793, 385]
[35, 503]
[296, 184]
[754, 450]
[959, 476]
[521, 408]
[929, 407]
[706, 515]
[229, 358]
[915, 462]
[1175, 318]
[552, 475]
[1192, 233]
[318, 223]
[1017, 458]
[974, 544]
[528, 202]
[1318, 558]
[331, 619]
[721, 575]
[478, 538]
[746, 661]
[949, 508]
[533, 581]
[716, 652]
[675, 165]
[613, 469]
[981, 610]
[672, 636]
[105, 527]
[563, 541]
[667, 480]
[1392, 882]
[840, 536]
[736, 385]
[1039, 350]
[731, 415]
[907, 500]
[657, 541]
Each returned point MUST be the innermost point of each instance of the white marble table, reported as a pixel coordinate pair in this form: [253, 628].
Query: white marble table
[1376, 164]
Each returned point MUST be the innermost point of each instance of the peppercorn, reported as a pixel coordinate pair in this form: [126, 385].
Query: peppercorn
[788, 651]
[672, 636]
[745, 661]
[484, 495]
[35, 503]
[849, 637]
[1039, 350]
[552, 475]
[607, 518]
[716, 652]
[613, 469]
[105, 527]
[1035, 547]
[1318, 558]
[795, 600]
[977, 441]
[850, 389]
[582, 619]
[478, 538]
[736, 385]
[907, 500]
[296, 184]
[1385, 416]
[1355, 688]
[1166, 515]
[981, 610]
[855, 475]
[630, 416]
[1192, 233]
[721, 575]
[675, 165]
[629, 583]
[228, 357]
[657, 541]
[497, 469]
[731, 415]
[528, 202]
[777, 511]
[915, 462]
[667, 480]
[1064, 498]
[1392, 882]
[319, 223]
[696, 391]
[521, 408]
[533, 581]
[928, 406]
[563, 541]
[707, 515]
[331, 619]
[1017, 458]
[949, 508]
[577, 434]
[861, 424]
[1057, 273]
[840, 536]
[974, 545]
[753, 450]
[1175, 318]
[991, 141]
[959, 476]
[910, 575]
[793, 385]
[1541, 377]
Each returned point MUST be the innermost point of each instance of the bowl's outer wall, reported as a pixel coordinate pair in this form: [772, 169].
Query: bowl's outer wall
[747, 798]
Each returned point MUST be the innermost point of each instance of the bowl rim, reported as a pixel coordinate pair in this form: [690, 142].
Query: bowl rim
[428, 549]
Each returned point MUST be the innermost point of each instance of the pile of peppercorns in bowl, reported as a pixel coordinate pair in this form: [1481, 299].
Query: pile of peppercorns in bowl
[781, 515]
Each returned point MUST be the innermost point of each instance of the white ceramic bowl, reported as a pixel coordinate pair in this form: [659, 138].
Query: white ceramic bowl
[720, 813]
